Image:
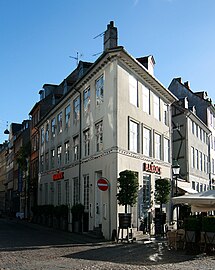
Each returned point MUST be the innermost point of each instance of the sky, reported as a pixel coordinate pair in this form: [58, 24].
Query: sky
[39, 40]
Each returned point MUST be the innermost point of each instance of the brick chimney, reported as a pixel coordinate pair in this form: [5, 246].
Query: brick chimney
[110, 36]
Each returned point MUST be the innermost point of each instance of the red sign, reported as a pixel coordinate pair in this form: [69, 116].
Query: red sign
[151, 168]
[58, 176]
[103, 184]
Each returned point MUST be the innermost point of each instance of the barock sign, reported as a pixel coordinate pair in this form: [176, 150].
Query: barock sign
[150, 167]
[58, 176]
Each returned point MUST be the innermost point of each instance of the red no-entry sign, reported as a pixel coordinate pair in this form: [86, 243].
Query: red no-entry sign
[103, 184]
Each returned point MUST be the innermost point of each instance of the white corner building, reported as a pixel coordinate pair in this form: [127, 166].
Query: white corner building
[114, 116]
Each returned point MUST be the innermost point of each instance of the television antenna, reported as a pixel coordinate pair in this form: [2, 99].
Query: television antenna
[77, 57]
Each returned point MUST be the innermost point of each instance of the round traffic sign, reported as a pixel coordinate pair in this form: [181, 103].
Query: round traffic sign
[103, 184]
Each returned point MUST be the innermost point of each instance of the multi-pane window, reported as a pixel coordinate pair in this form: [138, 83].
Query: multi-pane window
[52, 193]
[86, 142]
[53, 127]
[59, 193]
[192, 157]
[100, 90]
[67, 149]
[42, 163]
[66, 191]
[47, 161]
[196, 159]
[46, 193]
[76, 147]
[157, 146]
[166, 150]
[87, 100]
[133, 136]
[147, 142]
[86, 192]
[76, 191]
[200, 161]
[193, 127]
[99, 136]
[165, 114]
[67, 116]
[76, 109]
[59, 155]
[52, 158]
[204, 163]
[133, 91]
[59, 122]
[42, 135]
[146, 192]
[47, 132]
[156, 106]
[146, 99]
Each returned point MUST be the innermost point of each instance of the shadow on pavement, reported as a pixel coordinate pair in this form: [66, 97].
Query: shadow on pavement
[137, 254]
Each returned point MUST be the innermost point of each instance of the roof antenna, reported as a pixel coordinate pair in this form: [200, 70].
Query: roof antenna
[77, 58]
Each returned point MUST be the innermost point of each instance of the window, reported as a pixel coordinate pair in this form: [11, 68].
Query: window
[47, 161]
[67, 116]
[197, 131]
[76, 147]
[99, 136]
[193, 127]
[53, 127]
[156, 104]
[193, 185]
[204, 163]
[42, 136]
[59, 193]
[165, 114]
[52, 193]
[59, 155]
[200, 161]
[67, 149]
[166, 150]
[133, 136]
[133, 91]
[86, 143]
[76, 109]
[146, 192]
[147, 142]
[212, 165]
[86, 192]
[146, 99]
[66, 192]
[46, 193]
[76, 191]
[196, 159]
[99, 90]
[52, 158]
[157, 146]
[41, 163]
[192, 157]
[47, 132]
[87, 100]
[59, 122]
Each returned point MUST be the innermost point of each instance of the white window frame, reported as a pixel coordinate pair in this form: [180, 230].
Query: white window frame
[67, 116]
[133, 90]
[76, 109]
[60, 122]
[76, 148]
[86, 98]
[86, 142]
[156, 107]
[59, 155]
[166, 150]
[146, 99]
[134, 128]
[100, 90]
[157, 144]
[67, 152]
[147, 141]
[99, 136]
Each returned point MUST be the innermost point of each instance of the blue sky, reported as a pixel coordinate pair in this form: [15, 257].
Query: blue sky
[38, 36]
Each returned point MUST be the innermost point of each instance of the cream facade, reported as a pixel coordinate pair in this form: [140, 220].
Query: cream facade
[125, 124]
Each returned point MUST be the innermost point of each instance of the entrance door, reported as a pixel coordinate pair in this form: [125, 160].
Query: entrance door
[98, 201]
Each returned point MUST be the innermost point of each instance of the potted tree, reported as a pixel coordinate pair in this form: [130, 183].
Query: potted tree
[162, 196]
[127, 195]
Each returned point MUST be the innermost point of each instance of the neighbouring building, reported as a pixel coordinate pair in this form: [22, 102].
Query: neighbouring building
[203, 108]
[3, 151]
[115, 115]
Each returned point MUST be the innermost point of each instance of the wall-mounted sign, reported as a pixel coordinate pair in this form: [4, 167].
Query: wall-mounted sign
[149, 167]
[103, 184]
[58, 176]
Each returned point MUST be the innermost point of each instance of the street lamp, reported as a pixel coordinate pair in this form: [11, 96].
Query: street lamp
[176, 171]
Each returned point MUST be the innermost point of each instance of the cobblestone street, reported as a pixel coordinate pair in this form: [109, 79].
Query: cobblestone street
[29, 246]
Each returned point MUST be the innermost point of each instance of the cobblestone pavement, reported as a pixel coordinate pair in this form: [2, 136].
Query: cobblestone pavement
[28, 246]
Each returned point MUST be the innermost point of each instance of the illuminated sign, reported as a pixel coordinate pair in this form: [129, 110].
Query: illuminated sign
[151, 168]
[58, 176]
